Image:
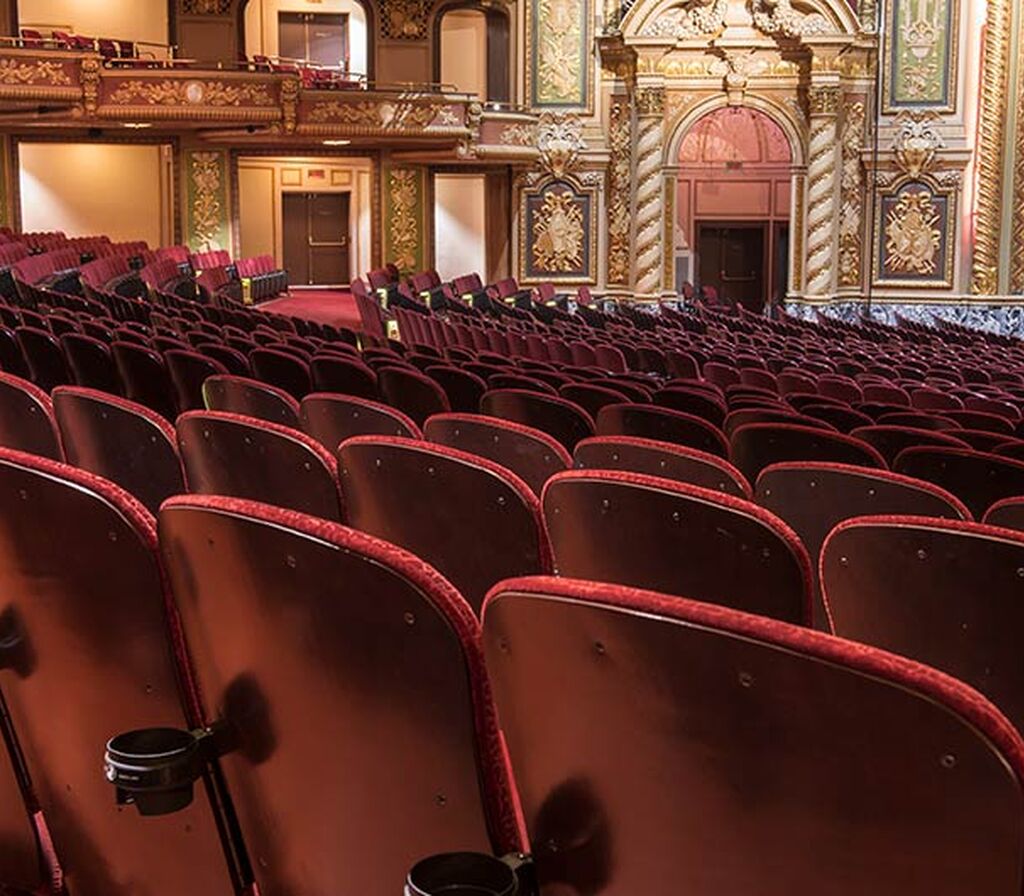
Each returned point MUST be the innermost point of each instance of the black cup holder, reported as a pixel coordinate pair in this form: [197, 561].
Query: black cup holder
[470, 874]
[155, 768]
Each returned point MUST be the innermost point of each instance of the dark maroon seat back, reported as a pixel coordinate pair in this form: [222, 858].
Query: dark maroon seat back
[119, 440]
[331, 419]
[91, 363]
[45, 358]
[189, 370]
[889, 441]
[975, 477]
[347, 376]
[365, 661]
[532, 455]
[564, 421]
[403, 491]
[26, 418]
[661, 425]
[813, 498]
[691, 749]
[145, 378]
[98, 657]
[21, 869]
[11, 358]
[1008, 513]
[241, 457]
[943, 593]
[610, 526]
[463, 389]
[250, 398]
[415, 395]
[934, 422]
[758, 445]
[692, 401]
[235, 362]
[592, 396]
[675, 462]
[844, 419]
[283, 370]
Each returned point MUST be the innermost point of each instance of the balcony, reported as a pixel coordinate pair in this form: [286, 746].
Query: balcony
[256, 101]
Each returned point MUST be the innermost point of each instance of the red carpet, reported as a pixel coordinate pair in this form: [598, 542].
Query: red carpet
[325, 306]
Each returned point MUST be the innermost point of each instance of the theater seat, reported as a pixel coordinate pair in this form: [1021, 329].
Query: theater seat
[26, 419]
[380, 742]
[632, 529]
[758, 445]
[89, 653]
[561, 419]
[404, 491]
[250, 398]
[330, 419]
[663, 746]
[119, 440]
[946, 593]
[975, 477]
[242, 457]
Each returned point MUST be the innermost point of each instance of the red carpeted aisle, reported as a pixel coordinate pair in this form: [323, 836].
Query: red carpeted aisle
[325, 306]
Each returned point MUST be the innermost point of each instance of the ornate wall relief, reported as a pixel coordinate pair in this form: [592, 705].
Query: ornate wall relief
[916, 227]
[851, 194]
[558, 52]
[207, 211]
[921, 49]
[404, 218]
[689, 18]
[619, 183]
[1017, 228]
[404, 19]
[557, 233]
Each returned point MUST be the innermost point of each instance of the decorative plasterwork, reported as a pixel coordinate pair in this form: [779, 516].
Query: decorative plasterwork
[382, 115]
[558, 54]
[206, 7]
[560, 141]
[191, 93]
[404, 19]
[779, 17]
[851, 195]
[207, 210]
[1017, 225]
[922, 53]
[558, 232]
[33, 72]
[404, 204]
[916, 142]
[619, 143]
[690, 18]
[991, 139]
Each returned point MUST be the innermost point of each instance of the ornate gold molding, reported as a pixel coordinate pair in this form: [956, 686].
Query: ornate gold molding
[823, 99]
[851, 195]
[38, 71]
[384, 115]
[650, 101]
[404, 223]
[191, 93]
[90, 85]
[1017, 226]
[619, 143]
[290, 104]
[991, 137]
[207, 211]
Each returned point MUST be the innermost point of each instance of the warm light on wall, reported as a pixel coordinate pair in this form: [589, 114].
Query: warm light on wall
[336, 142]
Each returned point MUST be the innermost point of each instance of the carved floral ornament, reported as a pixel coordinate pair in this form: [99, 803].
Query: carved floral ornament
[558, 233]
[560, 141]
[191, 93]
[912, 235]
[917, 142]
[687, 19]
[388, 115]
[38, 72]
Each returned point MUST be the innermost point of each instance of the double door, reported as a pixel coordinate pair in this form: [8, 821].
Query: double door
[316, 238]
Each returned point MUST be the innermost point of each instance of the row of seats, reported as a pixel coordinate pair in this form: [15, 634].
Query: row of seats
[364, 716]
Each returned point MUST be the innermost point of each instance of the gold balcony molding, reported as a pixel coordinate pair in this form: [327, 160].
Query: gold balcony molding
[181, 96]
[39, 76]
[508, 135]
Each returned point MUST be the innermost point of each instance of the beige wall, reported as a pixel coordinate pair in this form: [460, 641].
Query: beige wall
[138, 20]
[464, 51]
[262, 181]
[86, 189]
[261, 26]
[460, 245]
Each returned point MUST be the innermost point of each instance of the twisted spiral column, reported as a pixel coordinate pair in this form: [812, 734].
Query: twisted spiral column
[649, 211]
[822, 192]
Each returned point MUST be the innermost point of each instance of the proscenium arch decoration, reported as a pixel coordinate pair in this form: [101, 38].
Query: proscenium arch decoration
[779, 114]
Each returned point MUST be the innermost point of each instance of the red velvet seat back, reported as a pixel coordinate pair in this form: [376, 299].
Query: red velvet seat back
[462, 388]
[380, 744]
[666, 747]
[531, 454]
[283, 370]
[414, 394]
[652, 458]
[44, 356]
[26, 419]
[403, 491]
[121, 441]
[250, 398]
[977, 478]
[692, 401]
[91, 363]
[242, 457]
[347, 376]
[145, 377]
[189, 370]
[84, 583]
[632, 529]
[1008, 513]
[944, 593]
[814, 498]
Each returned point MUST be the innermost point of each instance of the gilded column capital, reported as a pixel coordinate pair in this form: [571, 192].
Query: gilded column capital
[823, 99]
[90, 84]
[650, 102]
[290, 103]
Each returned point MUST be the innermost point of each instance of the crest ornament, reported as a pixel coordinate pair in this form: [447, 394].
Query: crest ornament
[560, 141]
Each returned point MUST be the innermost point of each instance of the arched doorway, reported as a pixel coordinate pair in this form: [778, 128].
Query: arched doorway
[733, 201]
[472, 49]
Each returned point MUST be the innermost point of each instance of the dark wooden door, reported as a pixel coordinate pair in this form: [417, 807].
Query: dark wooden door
[317, 37]
[731, 257]
[316, 234]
